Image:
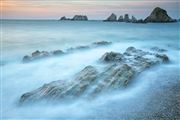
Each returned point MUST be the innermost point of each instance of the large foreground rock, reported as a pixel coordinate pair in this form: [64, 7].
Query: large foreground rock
[119, 70]
[159, 15]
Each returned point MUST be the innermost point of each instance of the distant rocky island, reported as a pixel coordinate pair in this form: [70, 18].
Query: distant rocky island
[158, 15]
[76, 18]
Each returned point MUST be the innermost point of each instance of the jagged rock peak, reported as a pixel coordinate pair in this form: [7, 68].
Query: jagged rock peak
[112, 17]
[159, 15]
[80, 17]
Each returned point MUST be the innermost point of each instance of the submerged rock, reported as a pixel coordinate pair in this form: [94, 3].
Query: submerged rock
[156, 49]
[89, 82]
[44, 54]
[159, 15]
[40, 54]
[111, 18]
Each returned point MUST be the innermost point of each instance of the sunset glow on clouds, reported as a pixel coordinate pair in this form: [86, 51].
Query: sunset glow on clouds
[94, 9]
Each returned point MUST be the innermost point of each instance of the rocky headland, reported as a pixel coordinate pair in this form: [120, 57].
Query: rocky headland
[118, 73]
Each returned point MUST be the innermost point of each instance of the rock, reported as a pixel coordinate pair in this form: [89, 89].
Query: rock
[120, 19]
[57, 90]
[132, 51]
[163, 57]
[133, 19]
[111, 18]
[26, 58]
[159, 15]
[139, 21]
[80, 18]
[126, 18]
[114, 77]
[102, 43]
[89, 82]
[111, 57]
[36, 53]
[78, 48]
[156, 49]
[57, 52]
[63, 18]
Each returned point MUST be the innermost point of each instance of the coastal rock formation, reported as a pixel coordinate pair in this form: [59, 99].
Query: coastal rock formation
[120, 19]
[44, 54]
[119, 71]
[133, 19]
[59, 89]
[111, 18]
[80, 18]
[39, 55]
[76, 18]
[159, 15]
[139, 21]
[64, 18]
[101, 43]
[156, 49]
[126, 18]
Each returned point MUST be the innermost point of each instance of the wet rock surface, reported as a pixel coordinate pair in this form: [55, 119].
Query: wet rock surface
[119, 70]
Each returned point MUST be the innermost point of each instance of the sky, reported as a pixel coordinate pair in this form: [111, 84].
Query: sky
[94, 9]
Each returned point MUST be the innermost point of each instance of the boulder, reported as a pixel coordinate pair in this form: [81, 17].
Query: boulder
[111, 18]
[80, 18]
[159, 15]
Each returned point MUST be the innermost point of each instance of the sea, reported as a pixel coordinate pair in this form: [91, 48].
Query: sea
[152, 94]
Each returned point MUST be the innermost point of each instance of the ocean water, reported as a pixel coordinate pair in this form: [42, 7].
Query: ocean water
[20, 38]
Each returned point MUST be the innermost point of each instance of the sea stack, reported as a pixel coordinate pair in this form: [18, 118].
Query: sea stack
[126, 18]
[159, 15]
[112, 18]
[120, 19]
[133, 19]
[80, 18]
